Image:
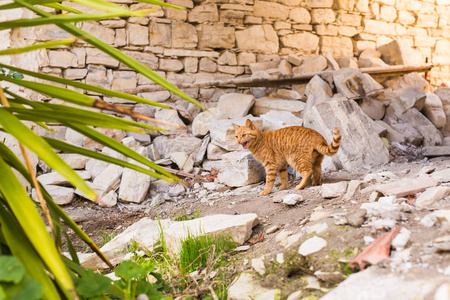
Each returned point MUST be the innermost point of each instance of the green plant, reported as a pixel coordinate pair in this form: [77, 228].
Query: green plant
[197, 250]
[107, 235]
[23, 233]
[182, 216]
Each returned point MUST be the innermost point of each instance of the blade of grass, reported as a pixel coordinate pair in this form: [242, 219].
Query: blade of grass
[23, 209]
[17, 5]
[63, 8]
[45, 45]
[85, 86]
[62, 19]
[35, 143]
[69, 148]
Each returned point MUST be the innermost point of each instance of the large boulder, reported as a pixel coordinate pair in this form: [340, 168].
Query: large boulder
[360, 144]
[240, 169]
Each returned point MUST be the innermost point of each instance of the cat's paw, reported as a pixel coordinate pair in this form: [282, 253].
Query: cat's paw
[263, 193]
[299, 187]
[282, 187]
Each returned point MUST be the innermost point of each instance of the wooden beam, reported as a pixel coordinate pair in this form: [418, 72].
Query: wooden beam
[278, 80]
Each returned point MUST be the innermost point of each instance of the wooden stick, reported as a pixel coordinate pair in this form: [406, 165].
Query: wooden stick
[277, 80]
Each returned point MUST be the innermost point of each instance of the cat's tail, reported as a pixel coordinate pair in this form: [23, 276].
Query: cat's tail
[333, 147]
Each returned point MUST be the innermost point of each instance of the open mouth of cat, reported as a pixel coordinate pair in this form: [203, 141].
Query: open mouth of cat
[245, 145]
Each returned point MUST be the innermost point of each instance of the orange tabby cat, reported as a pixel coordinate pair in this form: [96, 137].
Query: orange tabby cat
[302, 148]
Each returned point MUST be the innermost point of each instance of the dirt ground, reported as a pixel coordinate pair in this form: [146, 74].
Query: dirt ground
[423, 261]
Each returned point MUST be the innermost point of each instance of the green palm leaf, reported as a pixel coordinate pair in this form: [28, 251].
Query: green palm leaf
[35, 143]
[45, 45]
[23, 209]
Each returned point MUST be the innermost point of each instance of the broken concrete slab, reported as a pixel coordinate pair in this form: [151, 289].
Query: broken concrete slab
[241, 168]
[276, 119]
[222, 131]
[407, 186]
[360, 145]
[235, 105]
[434, 110]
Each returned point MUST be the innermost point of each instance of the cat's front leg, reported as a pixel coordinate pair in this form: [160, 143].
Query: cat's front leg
[271, 175]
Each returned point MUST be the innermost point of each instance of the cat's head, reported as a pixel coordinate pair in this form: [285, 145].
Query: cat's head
[247, 134]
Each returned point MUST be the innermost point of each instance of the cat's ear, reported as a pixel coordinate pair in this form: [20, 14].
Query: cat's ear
[236, 127]
[249, 124]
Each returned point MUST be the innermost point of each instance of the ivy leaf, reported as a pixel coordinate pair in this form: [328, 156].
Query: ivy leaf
[91, 284]
[128, 270]
[11, 270]
[27, 289]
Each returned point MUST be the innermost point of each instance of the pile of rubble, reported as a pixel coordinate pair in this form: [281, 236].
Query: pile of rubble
[371, 117]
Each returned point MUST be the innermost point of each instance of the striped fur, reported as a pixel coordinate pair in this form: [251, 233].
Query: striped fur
[302, 148]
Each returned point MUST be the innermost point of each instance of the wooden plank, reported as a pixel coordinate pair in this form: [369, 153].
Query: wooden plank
[278, 80]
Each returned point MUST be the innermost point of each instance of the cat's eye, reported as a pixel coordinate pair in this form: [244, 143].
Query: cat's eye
[236, 136]
[243, 135]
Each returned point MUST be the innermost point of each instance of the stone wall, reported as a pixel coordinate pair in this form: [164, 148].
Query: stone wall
[221, 39]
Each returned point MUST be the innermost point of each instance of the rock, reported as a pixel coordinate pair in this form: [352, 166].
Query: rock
[380, 209]
[312, 245]
[333, 190]
[183, 161]
[61, 195]
[434, 111]
[109, 178]
[330, 277]
[347, 62]
[201, 121]
[176, 190]
[259, 38]
[398, 52]
[294, 59]
[375, 283]
[171, 116]
[401, 239]
[265, 104]
[373, 108]
[356, 217]
[292, 199]
[304, 42]
[108, 200]
[95, 167]
[318, 87]
[317, 228]
[442, 176]
[353, 188]
[246, 288]
[222, 132]
[272, 229]
[288, 94]
[410, 97]
[235, 105]
[370, 62]
[276, 119]
[441, 216]
[258, 265]
[355, 127]
[432, 195]
[315, 63]
[404, 132]
[75, 161]
[215, 152]
[408, 80]
[179, 143]
[351, 83]
[134, 186]
[55, 178]
[319, 213]
[240, 169]
[444, 94]
[432, 136]
[407, 186]
[146, 232]
[242, 248]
